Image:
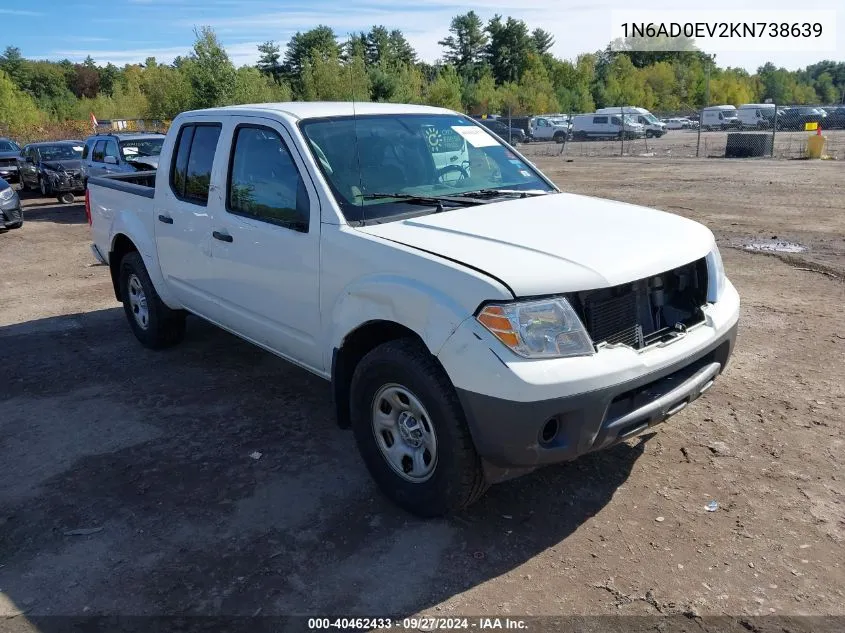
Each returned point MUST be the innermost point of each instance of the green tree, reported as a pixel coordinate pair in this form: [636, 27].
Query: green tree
[445, 91]
[624, 85]
[410, 84]
[18, 112]
[251, 86]
[319, 42]
[211, 73]
[542, 41]
[15, 66]
[825, 88]
[486, 99]
[327, 78]
[168, 92]
[109, 74]
[400, 48]
[466, 44]
[269, 62]
[536, 92]
[508, 49]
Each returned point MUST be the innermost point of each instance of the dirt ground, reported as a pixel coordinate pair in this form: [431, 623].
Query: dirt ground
[128, 485]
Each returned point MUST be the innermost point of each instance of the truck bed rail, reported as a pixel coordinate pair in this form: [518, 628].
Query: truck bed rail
[141, 183]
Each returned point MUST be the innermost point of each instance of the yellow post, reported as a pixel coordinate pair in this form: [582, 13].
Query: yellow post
[815, 145]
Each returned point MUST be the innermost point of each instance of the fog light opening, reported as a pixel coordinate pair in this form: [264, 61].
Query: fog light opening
[549, 431]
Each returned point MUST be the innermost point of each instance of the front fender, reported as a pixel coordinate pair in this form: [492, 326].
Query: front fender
[429, 312]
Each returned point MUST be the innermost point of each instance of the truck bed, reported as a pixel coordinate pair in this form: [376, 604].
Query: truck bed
[117, 200]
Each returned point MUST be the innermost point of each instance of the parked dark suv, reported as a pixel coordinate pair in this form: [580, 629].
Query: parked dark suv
[510, 134]
[9, 152]
[797, 117]
[54, 168]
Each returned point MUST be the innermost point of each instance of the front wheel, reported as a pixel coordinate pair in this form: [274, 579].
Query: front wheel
[154, 324]
[411, 431]
[45, 187]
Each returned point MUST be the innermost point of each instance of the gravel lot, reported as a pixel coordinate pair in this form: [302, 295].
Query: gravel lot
[128, 486]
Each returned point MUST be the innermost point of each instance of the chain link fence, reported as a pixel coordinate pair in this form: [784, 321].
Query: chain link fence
[779, 132]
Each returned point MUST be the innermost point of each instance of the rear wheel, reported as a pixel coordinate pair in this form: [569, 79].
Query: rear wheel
[559, 137]
[154, 324]
[411, 432]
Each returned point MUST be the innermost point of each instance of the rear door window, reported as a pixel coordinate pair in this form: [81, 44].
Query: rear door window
[190, 176]
[599, 120]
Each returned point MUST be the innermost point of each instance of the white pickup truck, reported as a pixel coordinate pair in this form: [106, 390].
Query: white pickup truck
[475, 322]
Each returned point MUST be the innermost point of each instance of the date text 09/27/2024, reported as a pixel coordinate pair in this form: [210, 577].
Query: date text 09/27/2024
[416, 624]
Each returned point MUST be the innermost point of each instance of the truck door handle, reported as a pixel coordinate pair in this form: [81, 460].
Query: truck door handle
[223, 237]
[166, 219]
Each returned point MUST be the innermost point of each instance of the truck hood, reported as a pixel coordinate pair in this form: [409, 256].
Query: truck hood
[556, 243]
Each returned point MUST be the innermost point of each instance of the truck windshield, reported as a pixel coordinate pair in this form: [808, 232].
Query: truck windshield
[414, 155]
[138, 148]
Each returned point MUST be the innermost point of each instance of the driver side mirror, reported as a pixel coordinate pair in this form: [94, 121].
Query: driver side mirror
[110, 160]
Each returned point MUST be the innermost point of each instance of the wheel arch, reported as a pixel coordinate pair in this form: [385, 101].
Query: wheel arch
[352, 349]
[120, 247]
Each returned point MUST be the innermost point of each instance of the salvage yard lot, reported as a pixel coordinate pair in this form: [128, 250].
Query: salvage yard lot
[128, 485]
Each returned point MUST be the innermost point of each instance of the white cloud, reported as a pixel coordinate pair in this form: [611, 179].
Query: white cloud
[20, 12]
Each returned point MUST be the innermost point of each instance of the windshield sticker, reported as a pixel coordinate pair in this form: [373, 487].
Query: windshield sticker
[475, 136]
[78, 148]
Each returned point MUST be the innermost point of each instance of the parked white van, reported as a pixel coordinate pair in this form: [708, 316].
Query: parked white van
[654, 127]
[756, 116]
[596, 126]
[720, 117]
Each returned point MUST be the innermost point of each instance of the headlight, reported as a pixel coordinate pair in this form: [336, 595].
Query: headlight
[7, 194]
[716, 275]
[544, 328]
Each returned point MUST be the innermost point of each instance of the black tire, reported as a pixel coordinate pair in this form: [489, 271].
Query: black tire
[458, 477]
[165, 327]
[45, 188]
[16, 225]
[559, 137]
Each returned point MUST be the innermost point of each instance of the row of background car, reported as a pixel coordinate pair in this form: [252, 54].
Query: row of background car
[61, 168]
[761, 116]
[561, 127]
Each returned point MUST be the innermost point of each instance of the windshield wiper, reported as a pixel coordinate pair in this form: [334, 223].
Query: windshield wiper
[522, 193]
[436, 201]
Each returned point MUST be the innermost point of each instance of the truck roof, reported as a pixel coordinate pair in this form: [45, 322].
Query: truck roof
[317, 109]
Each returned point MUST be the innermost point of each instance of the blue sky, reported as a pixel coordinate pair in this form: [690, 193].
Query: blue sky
[125, 31]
